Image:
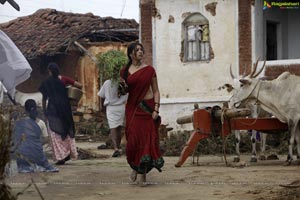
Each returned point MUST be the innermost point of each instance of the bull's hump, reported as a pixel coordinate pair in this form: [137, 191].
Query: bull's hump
[283, 76]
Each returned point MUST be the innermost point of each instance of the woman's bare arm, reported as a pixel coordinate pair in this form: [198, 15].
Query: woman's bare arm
[77, 84]
[156, 95]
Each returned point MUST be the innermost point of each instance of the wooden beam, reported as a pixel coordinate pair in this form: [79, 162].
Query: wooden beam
[86, 52]
[228, 113]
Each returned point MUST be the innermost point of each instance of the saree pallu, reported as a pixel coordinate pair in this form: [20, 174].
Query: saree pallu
[142, 149]
[58, 112]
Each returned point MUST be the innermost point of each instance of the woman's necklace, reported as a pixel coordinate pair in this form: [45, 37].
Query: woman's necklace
[137, 65]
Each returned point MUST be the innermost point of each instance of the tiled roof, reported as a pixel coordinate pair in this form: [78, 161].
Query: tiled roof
[48, 31]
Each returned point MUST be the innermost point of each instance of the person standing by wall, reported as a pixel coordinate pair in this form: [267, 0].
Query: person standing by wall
[69, 82]
[59, 117]
[142, 119]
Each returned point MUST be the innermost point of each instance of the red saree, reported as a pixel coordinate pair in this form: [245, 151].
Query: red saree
[142, 148]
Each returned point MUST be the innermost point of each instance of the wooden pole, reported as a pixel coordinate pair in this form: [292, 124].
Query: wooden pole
[233, 113]
[228, 113]
[185, 119]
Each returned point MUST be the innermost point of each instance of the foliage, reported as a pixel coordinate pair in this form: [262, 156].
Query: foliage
[175, 142]
[110, 63]
[5, 145]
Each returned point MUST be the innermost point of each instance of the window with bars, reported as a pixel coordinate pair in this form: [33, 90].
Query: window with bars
[196, 38]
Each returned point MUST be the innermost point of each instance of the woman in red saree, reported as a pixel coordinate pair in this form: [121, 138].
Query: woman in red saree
[142, 119]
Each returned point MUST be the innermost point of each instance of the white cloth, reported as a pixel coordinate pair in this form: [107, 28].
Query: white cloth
[115, 115]
[14, 68]
[109, 92]
[43, 128]
[115, 106]
[1, 93]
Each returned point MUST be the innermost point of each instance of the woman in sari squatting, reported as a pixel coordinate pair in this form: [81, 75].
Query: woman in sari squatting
[142, 119]
[59, 116]
[28, 139]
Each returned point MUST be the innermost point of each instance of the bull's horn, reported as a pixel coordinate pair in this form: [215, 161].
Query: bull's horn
[245, 81]
[254, 69]
[231, 74]
[261, 69]
[244, 72]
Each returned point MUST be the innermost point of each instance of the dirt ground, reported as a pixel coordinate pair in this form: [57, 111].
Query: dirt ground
[211, 179]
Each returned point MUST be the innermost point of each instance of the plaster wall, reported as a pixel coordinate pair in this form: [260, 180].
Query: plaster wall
[293, 34]
[258, 45]
[183, 84]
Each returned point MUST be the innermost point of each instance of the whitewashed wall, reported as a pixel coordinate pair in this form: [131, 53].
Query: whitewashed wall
[183, 84]
[287, 35]
[294, 39]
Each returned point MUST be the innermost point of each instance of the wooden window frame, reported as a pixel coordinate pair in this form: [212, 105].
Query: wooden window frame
[196, 49]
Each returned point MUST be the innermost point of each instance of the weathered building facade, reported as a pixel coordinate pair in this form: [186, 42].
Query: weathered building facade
[193, 43]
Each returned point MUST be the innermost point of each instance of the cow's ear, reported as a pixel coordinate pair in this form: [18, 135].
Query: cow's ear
[245, 81]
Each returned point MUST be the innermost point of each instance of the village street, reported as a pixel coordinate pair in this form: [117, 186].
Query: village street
[197, 51]
[211, 179]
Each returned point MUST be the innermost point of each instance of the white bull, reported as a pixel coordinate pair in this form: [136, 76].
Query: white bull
[256, 111]
[279, 97]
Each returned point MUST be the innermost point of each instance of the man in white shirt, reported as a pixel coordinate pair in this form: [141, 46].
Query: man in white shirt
[115, 112]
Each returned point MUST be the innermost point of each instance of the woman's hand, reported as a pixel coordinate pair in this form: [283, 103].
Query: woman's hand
[155, 114]
[122, 88]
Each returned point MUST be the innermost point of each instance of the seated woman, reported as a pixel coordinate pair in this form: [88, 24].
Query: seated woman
[28, 143]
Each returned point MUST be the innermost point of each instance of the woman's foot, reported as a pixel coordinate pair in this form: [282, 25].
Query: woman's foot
[102, 146]
[68, 158]
[117, 153]
[133, 176]
[60, 162]
[142, 181]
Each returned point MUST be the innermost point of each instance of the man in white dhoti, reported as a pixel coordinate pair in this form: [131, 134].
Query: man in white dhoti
[115, 112]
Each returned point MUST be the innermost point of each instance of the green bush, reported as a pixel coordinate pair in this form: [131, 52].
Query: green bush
[110, 63]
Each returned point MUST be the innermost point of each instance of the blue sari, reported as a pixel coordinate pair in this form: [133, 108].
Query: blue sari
[28, 147]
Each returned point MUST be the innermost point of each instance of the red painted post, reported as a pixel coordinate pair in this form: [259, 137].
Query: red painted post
[190, 146]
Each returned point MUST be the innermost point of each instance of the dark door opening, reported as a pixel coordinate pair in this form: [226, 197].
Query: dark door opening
[271, 41]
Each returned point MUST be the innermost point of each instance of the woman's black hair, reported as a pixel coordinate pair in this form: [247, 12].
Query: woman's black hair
[31, 109]
[54, 69]
[131, 48]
